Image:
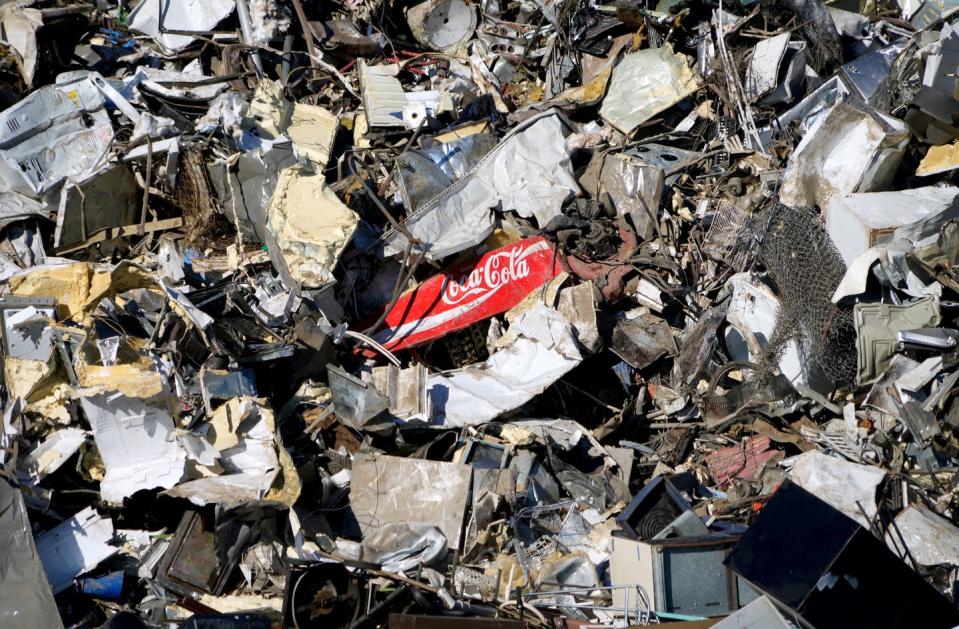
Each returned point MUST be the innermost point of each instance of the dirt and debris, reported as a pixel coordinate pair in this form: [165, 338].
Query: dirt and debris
[505, 313]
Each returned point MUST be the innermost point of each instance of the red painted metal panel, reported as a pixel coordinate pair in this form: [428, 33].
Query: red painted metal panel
[469, 293]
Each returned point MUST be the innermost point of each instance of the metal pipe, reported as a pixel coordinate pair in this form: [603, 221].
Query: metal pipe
[246, 27]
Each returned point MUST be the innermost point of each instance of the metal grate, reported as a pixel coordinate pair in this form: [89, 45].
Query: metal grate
[475, 582]
[730, 239]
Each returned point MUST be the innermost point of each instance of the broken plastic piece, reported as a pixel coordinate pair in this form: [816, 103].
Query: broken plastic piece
[384, 98]
[652, 509]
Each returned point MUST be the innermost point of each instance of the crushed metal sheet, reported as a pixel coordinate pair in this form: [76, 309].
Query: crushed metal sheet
[847, 149]
[197, 16]
[539, 348]
[75, 546]
[52, 453]
[71, 141]
[930, 538]
[840, 483]
[136, 441]
[857, 222]
[388, 490]
[645, 83]
[528, 172]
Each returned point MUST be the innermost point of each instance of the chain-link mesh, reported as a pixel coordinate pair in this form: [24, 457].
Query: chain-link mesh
[806, 268]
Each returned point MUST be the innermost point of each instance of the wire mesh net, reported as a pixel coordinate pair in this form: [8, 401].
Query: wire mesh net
[806, 268]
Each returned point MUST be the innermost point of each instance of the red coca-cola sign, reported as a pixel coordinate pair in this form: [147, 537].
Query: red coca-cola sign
[469, 293]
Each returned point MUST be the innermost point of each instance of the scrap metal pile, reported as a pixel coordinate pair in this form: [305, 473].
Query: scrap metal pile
[494, 313]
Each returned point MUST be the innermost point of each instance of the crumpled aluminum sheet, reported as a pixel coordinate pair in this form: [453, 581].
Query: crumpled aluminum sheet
[635, 190]
[425, 173]
[402, 546]
[198, 16]
[543, 350]
[840, 483]
[930, 538]
[645, 83]
[529, 172]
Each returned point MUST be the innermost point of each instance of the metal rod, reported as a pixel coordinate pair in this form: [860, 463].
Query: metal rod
[307, 32]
